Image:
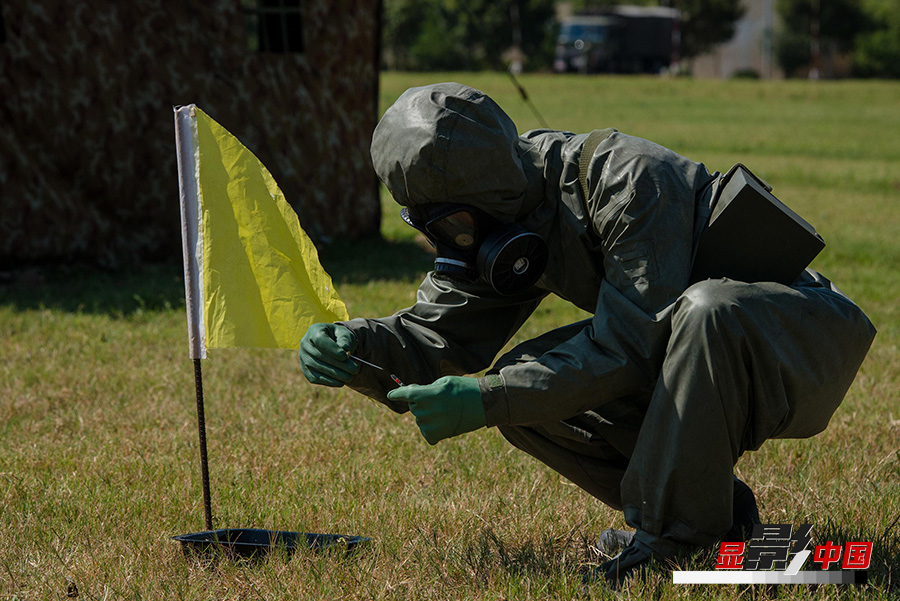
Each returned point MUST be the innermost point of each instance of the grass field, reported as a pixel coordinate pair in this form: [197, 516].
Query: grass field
[98, 443]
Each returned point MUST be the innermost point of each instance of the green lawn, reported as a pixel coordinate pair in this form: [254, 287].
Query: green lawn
[98, 442]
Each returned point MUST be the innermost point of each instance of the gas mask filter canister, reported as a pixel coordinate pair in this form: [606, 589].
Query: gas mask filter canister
[470, 243]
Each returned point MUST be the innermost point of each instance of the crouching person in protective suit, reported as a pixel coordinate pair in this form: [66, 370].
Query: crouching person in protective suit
[647, 405]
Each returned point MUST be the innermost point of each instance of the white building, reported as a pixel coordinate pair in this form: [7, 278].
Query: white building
[750, 49]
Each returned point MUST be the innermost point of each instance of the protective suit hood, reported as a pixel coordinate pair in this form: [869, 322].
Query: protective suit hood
[448, 142]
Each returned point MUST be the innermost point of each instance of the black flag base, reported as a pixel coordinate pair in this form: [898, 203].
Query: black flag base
[252, 543]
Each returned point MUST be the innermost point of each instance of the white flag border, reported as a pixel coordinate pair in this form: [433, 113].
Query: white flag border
[188, 155]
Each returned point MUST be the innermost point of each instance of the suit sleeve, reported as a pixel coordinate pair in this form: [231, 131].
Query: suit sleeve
[451, 330]
[642, 209]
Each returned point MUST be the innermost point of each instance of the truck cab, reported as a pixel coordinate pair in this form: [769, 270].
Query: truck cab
[625, 39]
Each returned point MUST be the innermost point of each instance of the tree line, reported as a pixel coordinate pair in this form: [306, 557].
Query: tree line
[863, 34]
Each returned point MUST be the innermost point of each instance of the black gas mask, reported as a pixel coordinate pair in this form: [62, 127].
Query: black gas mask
[469, 243]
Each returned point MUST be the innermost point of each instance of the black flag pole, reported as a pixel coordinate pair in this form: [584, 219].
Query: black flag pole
[204, 459]
[247, 542]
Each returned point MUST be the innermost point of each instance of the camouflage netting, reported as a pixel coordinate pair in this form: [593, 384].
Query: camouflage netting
[87, 144]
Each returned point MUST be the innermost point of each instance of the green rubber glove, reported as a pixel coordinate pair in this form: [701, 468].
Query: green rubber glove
[324, 354]
[449, 407]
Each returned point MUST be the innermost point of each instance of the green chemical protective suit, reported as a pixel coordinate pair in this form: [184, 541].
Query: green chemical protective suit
[648, 404]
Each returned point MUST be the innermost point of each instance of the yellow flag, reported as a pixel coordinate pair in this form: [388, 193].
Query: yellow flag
[252, 276]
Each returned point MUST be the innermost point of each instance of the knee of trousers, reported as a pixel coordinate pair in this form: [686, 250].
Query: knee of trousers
[708, 303]
[705, 370]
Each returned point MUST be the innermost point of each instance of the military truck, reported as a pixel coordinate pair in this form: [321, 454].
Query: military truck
[619, 39]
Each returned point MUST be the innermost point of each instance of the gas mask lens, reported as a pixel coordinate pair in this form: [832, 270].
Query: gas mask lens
[457, 228]
[453, 225]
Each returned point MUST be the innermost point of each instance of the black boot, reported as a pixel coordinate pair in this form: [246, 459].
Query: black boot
[744, 512]
[635, 559]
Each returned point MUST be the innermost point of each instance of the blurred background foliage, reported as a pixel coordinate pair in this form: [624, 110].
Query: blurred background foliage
[430, 35]
[866, 32]
[877, 52]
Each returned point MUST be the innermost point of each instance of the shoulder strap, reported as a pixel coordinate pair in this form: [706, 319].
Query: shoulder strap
[587, 153]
